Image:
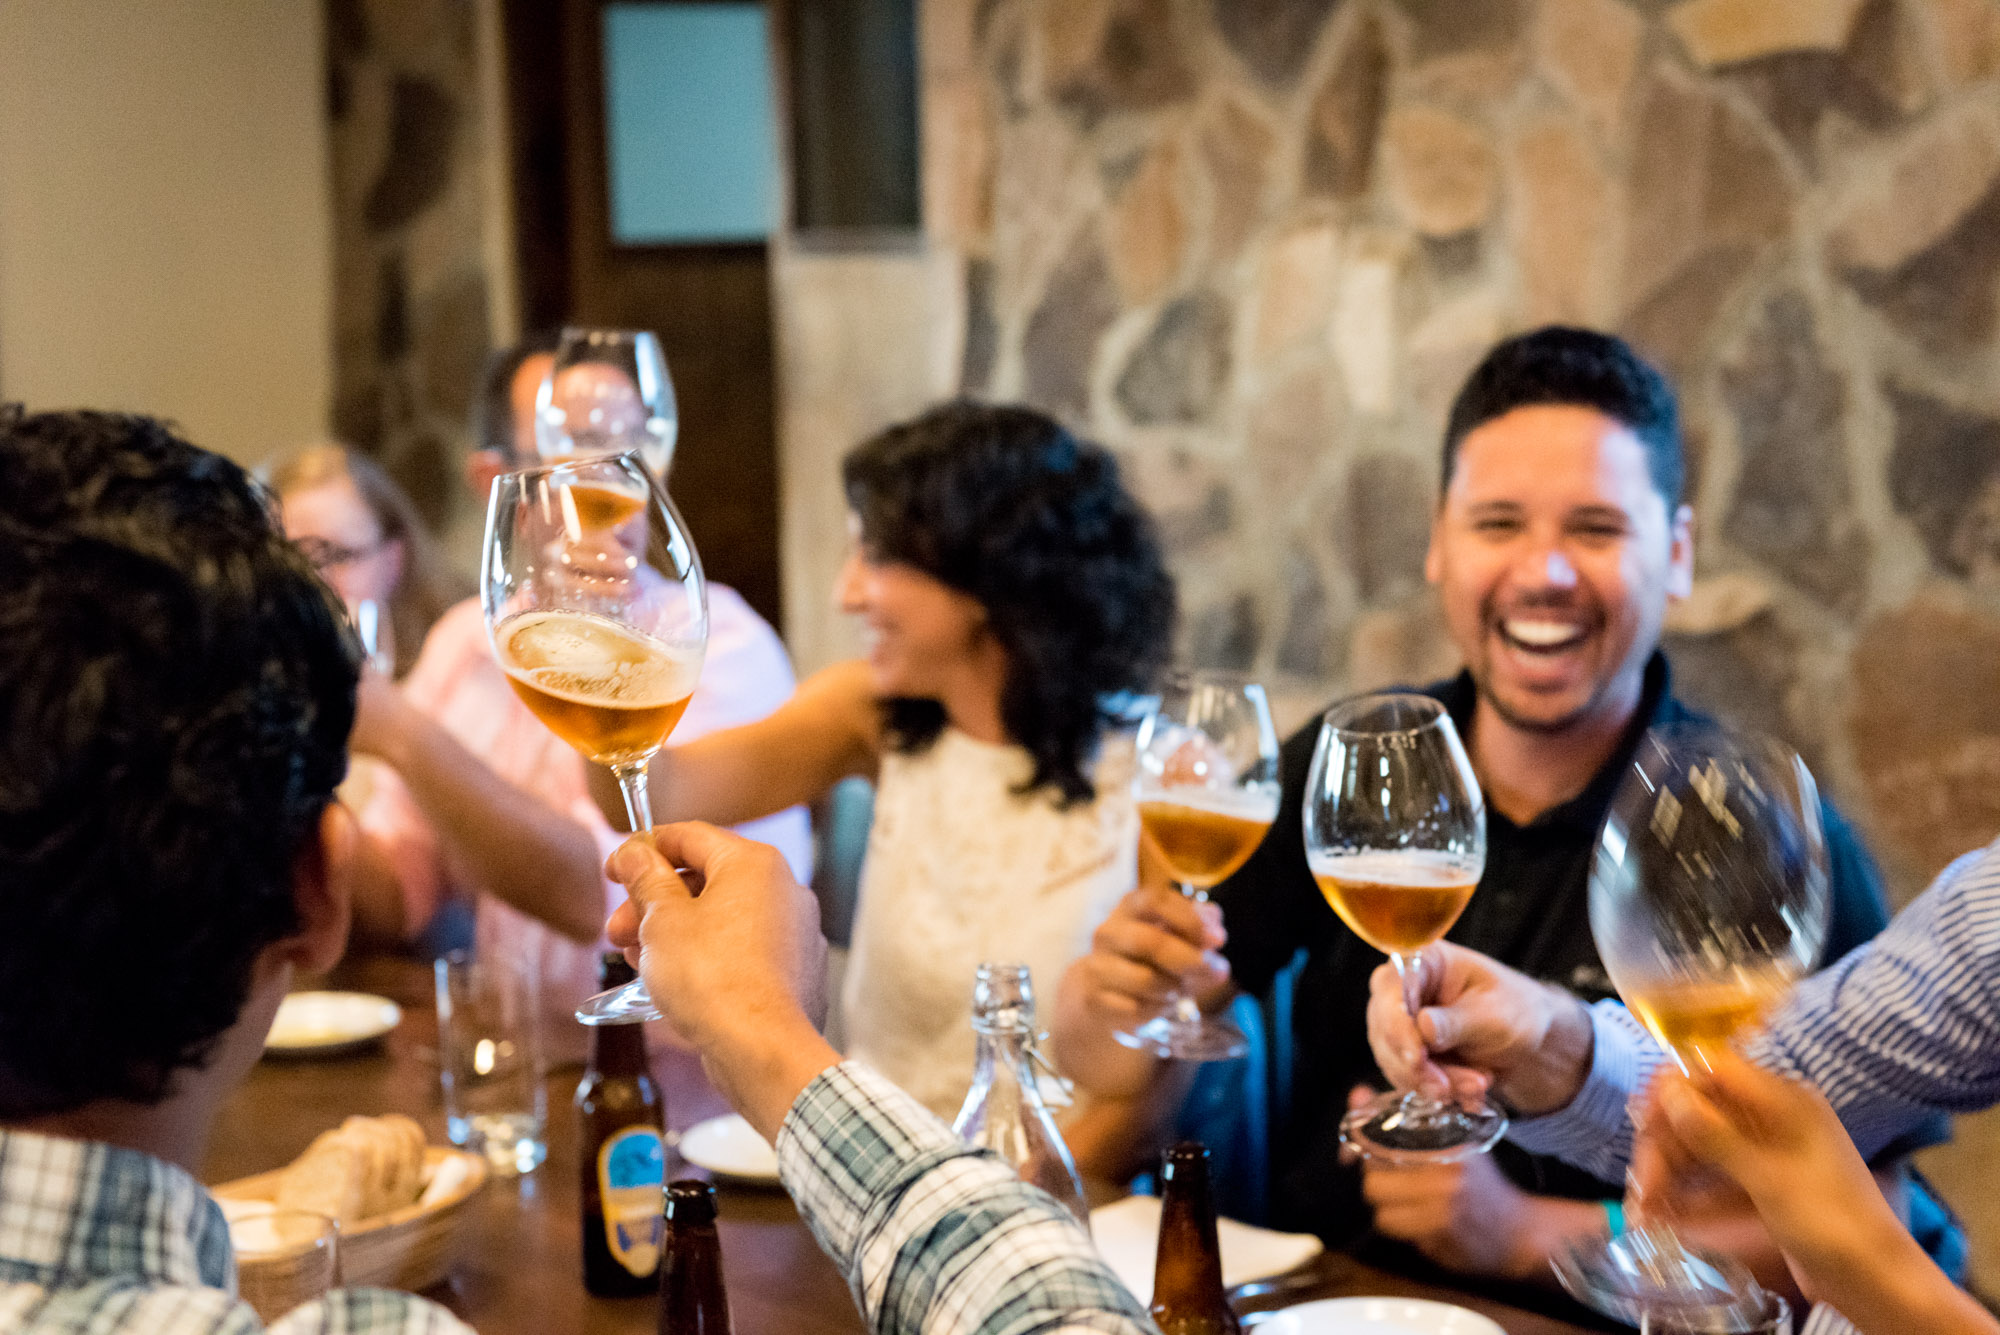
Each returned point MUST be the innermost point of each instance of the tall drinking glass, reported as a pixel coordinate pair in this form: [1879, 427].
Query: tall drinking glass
[598, 614]
[1207, 787]
[1708, 899]
[1395, 830]
[607, 392]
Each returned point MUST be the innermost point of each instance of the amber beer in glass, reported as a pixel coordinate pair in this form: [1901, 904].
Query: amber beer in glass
[1206, 785]
[1397, 902]
[1708, 897]
[605, 507]
[1203, 843]
[599, 623]
[1395, 831]
[1693, 1018]
[611, 692]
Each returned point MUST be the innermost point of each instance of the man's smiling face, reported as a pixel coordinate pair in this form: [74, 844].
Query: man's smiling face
[1555, 556]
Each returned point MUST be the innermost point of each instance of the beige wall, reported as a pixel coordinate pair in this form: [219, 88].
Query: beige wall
[164, 220]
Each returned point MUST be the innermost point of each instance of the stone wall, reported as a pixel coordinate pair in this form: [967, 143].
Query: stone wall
[1254, 245]
[414, 281]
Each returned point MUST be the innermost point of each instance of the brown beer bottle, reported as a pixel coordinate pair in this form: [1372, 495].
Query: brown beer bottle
[1187, 1272]
[692, 1299]
[623, 1158]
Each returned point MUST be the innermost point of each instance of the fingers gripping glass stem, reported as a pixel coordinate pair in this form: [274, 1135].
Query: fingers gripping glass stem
[1395, 831]
[597, 611]
[1207, 790]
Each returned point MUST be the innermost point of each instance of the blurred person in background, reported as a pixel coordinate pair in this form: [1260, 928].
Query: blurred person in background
[1013, 594]
[475, 809]
[746, 673]
[472, 824]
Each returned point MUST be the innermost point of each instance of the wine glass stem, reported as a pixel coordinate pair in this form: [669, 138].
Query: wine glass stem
[1184, 1009]
[1410, 968]
[638, 807]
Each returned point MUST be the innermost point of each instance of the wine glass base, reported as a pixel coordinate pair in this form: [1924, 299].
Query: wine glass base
[1214, 1039]
[629, 1004]
[1410, 1129]
[1647, 1276]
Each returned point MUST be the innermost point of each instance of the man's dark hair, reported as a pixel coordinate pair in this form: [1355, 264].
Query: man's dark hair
[1007, 506]
[493, 405]
[176, 691]
[1581, 368]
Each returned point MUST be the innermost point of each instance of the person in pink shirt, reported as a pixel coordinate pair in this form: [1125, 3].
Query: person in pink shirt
[465, 799]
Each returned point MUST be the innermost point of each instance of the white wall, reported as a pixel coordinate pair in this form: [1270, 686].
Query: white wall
[164, 216]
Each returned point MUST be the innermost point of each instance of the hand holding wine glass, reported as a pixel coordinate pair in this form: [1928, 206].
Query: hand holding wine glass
[1395, 831]
[1708, 899]
[598, 614]
[1207, 788]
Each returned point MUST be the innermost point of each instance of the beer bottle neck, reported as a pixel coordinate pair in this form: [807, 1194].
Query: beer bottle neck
[618, 1049]
[1187, 1273]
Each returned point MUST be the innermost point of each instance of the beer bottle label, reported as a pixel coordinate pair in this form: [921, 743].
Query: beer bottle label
[631, 1174]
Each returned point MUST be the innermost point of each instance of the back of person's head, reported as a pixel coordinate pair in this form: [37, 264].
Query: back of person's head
[1578, 368]
[428, 585]
[1006, 505]
[494, 425]
[175, 697]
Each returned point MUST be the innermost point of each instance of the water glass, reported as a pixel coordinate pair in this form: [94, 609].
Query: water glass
[490, 1059]
[1774, 1319]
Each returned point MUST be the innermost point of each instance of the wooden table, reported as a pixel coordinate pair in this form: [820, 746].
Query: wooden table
[521, 1269]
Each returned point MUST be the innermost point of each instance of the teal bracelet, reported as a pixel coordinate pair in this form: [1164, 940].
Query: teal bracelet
[1614, 1214]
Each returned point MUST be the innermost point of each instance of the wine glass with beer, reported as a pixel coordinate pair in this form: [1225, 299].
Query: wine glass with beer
[1708, 899]
[608, 391]
[1395, 830]
[598, 614]
[1207, 788]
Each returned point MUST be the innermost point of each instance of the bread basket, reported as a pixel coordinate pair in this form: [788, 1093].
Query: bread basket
[411, 1248]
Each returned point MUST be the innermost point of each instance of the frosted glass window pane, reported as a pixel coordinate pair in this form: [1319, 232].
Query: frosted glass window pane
[691, 137]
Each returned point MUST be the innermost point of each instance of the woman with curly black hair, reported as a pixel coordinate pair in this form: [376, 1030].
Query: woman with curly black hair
[1013, 593]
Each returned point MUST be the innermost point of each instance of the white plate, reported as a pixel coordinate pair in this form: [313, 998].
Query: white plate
[1127, 1234]
[730, 1147]
[320, 1024]
[1376, 1316]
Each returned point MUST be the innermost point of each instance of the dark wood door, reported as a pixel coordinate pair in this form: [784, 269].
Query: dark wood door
[709, 304]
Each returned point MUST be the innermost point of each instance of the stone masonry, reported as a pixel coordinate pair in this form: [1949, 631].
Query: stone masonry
[1253, 245]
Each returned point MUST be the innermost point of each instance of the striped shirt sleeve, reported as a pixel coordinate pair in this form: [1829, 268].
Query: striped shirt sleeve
[1595, 1131]
[1900, 1027]
[935, 1236]
[1909, 1023]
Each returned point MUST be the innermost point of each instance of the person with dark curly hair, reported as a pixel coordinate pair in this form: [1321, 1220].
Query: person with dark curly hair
[175, 700]
[1012, 591]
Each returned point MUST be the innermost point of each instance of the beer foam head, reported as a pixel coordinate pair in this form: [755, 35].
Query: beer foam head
[595, 661]
[1251, 804]
[1414, 867]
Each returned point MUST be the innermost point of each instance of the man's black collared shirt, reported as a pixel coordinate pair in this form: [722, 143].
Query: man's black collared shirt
[1530, 912]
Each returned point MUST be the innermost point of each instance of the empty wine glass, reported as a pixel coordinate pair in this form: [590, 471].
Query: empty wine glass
[598, 613]
[607, 392]
[1207, 787]
[1395, 830]
[1708, 899]
[376, 633]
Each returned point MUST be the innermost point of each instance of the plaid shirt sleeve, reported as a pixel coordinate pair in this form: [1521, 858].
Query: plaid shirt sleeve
[933, 1236]
[1823, 1320]
[369, 1312]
